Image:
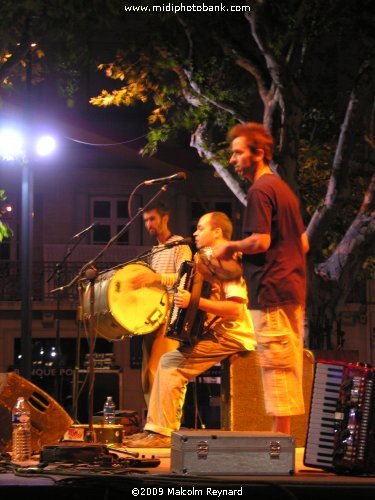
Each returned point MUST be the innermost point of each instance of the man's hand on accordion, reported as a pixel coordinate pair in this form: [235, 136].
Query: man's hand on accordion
[182, 298]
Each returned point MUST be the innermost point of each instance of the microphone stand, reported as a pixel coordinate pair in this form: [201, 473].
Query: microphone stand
[91, 273]
[58, 385]
[148, 253]
[57, 272]
[76, 391]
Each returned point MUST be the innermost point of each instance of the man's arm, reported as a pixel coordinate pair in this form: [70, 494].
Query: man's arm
[166, 279]
[230, 308]
[255, 243]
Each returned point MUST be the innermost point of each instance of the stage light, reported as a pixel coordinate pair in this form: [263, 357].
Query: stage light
[11, 144]
[45, 145]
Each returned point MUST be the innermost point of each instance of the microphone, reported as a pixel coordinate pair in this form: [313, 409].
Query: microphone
[180, 176]
[184, 241]
[86, 230]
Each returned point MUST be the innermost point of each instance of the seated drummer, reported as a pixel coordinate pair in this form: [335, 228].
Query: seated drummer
[231, 333]
[166, 263]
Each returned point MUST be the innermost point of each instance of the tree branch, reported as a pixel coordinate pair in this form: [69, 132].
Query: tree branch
[189, 96]
[274, 66]
[288, 97]
[357, 244]
[187, 33]
[270, 96]
[193, 93]
[250, 66]
[338, 189]
[193, 84]
[197, 141]
[189, 89]
[279, 70]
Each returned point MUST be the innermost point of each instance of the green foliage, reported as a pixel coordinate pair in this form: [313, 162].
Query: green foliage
[160, 79]
[5, 230]
[63, 31]
[315, 171]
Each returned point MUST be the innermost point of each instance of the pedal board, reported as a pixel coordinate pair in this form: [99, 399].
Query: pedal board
[143, 463]
[72, 452]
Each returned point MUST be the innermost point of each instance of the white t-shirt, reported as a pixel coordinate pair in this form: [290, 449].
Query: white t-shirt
[241, 329]
[167, 262]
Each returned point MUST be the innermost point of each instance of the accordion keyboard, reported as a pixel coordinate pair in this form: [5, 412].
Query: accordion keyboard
[320, 435]
[341, 429]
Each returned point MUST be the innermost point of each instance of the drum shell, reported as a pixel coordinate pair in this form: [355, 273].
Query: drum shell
[120, 309]
[105, 324]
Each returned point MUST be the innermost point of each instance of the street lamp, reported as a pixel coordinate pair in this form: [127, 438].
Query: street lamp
[13, 146]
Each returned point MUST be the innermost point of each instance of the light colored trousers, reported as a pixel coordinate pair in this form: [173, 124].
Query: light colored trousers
[279, 335]
[176, 369]
[154, 345]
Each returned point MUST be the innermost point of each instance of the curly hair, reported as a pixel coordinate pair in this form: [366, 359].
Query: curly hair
[257, 136]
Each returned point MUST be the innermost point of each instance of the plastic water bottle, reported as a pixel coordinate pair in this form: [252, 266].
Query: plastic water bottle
[21, 434]
[109, 411]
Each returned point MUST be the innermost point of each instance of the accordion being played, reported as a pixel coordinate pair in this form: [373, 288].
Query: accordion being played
[341, 427]
[187, 325]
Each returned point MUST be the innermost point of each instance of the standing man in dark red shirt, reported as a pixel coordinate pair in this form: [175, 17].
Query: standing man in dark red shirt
[274, 248]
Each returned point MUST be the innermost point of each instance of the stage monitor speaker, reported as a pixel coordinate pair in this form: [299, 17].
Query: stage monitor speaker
[49, 420]
[242, 402]
[107, 383]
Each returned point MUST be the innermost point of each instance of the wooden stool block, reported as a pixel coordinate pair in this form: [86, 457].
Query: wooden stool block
[242, 401]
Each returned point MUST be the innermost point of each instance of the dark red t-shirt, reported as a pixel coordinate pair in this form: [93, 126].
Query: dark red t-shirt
[277, 276]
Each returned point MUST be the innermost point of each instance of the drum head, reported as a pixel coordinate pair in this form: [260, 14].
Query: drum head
[138, 310]
[211, 267]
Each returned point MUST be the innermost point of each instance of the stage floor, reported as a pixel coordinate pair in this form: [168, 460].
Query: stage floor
[78, 483]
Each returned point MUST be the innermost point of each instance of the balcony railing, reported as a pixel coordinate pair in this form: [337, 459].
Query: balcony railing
[10, 282]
